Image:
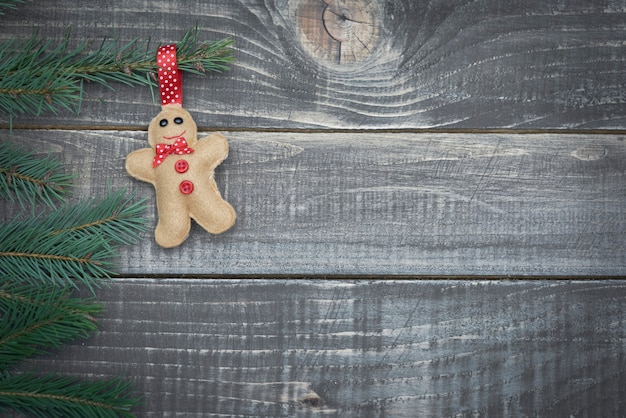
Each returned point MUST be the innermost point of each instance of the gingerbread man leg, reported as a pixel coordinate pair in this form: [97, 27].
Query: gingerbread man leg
[214, 214]
[174, 222]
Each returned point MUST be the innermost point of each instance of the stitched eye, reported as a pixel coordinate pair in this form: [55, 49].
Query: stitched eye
[163, 122]
[178, 121]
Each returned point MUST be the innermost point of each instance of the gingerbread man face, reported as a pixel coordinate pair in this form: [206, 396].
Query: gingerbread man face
[181, 169]
[171, 123]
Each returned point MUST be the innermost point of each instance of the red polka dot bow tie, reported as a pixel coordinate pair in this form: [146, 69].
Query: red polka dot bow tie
[179, 147]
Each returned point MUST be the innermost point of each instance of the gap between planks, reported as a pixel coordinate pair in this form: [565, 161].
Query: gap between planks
[364, 277]
[326, 131]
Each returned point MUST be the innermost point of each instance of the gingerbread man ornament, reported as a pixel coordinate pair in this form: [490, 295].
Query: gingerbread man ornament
[179, 166]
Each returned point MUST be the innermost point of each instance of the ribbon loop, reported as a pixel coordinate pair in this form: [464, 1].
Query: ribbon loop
[170, 79]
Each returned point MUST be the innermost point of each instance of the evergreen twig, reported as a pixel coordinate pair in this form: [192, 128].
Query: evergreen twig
[71, 245]
[60, 396]
[38, 75]
[28, 179]
[35, 318]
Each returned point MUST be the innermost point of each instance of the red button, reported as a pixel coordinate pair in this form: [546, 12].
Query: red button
[181, 166]
[186, 187]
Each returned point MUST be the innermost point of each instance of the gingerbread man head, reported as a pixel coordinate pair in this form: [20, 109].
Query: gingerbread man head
[179, 166]
[171, 123]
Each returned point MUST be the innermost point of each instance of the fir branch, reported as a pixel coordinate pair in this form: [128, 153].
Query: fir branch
[32, 79]
[28, 179]
[117, 217]
[71, 245]
[35, 318]
[38, 76]
[24, 293]
[66, 397]
[134, 63]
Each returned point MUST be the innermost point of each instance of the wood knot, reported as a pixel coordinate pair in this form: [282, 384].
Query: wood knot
[339, 31]
[312, 400]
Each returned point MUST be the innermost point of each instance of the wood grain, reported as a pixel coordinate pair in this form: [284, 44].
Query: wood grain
[278, 348]
[385, 204]
[365, 64]
[315, 200]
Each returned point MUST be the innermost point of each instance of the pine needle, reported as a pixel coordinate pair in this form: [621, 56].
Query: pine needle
[37, 318]
[38, 75]
[60, 396]
[29, 180]
[74, 244]
[9, 4]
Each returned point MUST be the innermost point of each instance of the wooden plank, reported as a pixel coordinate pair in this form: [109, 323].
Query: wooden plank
[361, 348]
[385, 204]
[542, 64]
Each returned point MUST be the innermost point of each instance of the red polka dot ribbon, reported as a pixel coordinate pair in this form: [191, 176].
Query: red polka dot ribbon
[179, 147]
[170, 79]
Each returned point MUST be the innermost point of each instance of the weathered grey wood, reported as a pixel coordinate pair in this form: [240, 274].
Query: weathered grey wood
[366, 64]
[385, 204]
[361, 348]
[380, 204]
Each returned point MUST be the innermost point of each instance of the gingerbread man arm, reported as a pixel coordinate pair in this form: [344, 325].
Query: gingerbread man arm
[139, 165]
[215, 147]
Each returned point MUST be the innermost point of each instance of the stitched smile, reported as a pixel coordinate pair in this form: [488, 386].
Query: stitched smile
[176, 136]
